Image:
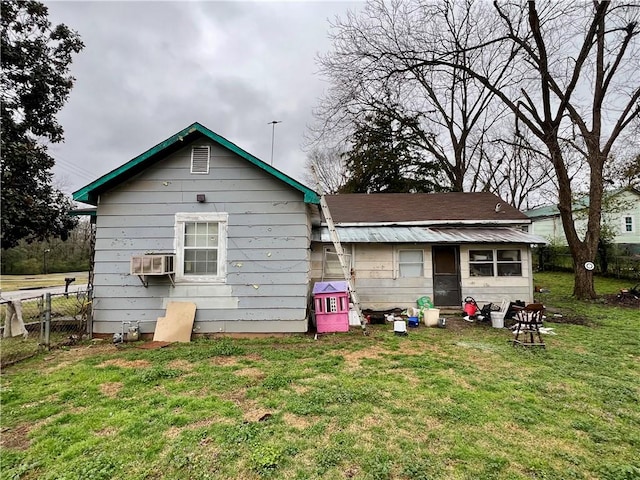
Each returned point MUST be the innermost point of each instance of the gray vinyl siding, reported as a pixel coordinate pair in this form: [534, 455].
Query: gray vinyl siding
[267, 256]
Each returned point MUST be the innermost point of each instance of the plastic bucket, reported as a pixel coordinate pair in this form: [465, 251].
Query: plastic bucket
[431, 316]
[400, 327]
[497, 319]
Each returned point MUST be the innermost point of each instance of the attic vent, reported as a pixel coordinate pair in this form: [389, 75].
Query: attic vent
[200, 159]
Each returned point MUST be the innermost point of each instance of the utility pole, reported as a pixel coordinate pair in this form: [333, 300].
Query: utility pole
[44, 260]
[273, 132]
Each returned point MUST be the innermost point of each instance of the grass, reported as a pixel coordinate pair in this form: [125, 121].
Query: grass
[454, 403]
[18, 282]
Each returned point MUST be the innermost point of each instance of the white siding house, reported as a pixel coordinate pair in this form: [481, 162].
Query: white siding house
[620, 216]
[446, 246]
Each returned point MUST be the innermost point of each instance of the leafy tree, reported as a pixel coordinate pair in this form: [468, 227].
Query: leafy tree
[383, 159]
[35, 83]
[631, 172]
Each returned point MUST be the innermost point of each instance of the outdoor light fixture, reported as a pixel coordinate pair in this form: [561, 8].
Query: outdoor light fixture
[200, 197]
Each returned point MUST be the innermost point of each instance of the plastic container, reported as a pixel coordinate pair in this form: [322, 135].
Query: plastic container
[497, 319]
[431, 316]
[413, 321]
[400, 327]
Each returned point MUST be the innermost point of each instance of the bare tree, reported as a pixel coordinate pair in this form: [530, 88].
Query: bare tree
[372, 70]
[329, 165]
[578, 85]
[516, 169]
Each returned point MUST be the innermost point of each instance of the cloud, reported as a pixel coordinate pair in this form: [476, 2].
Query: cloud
[150, 69]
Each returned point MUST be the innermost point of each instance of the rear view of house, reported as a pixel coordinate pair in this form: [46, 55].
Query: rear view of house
[198, 219]
[443, 245]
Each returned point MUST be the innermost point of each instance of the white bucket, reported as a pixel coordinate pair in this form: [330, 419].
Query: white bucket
[400, 326]
[431, 316]
[497, 319]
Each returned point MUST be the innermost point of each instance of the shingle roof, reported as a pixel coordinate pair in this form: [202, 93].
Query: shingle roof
[421, 207]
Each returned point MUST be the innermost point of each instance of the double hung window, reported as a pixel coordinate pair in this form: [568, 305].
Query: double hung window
[628, 224]
[410, 263]
[201, 242]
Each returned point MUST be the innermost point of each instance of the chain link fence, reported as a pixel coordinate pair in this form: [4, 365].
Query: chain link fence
[47, 321]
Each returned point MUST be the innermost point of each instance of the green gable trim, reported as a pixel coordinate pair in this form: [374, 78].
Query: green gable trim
[89, 194]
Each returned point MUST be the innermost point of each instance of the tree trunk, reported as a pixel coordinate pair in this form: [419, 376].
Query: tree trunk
[581, 251]
[583, 287]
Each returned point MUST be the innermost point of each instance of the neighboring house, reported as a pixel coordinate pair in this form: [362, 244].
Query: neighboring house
[198, 219]
[620, 216]
[237, 229]
[443, 245]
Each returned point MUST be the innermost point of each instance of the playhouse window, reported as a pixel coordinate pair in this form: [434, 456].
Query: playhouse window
[506, 263]
[410, 263]
[509, 263]
[201, 246]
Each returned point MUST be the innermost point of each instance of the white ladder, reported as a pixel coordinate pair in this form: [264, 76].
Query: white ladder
[333, 233]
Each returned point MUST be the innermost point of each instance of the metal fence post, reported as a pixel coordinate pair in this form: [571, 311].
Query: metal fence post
[42, 319]
[47, 318]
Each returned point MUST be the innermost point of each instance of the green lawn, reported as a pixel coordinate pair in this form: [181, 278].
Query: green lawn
[454, 403]
[16, 282]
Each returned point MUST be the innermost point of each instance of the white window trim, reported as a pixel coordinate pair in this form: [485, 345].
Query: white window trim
[180, 220]
[409, 250]
[208, 159]
[348, 257]
[495, 262]
[624, 224]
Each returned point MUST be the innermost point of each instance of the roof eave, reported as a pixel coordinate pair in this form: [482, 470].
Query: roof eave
[428, 223]
[89, 194]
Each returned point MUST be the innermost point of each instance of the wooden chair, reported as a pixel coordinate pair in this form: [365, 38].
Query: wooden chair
[527, 327]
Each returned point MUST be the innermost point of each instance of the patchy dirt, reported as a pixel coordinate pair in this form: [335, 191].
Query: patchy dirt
[623, 300]
[120, 362]
[569, 319]
[111, 389]
[16, 437]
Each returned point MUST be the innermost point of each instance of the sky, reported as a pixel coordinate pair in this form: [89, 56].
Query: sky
[150, 69]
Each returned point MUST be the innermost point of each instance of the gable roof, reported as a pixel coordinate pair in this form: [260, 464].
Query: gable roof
[89, 193]
[422, 208]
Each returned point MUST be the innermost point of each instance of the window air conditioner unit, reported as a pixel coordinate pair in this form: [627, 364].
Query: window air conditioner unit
[152, 264]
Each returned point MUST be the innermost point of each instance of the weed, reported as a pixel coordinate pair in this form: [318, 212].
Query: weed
[155, 374]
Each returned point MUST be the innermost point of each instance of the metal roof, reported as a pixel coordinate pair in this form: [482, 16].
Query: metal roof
[427, 235]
